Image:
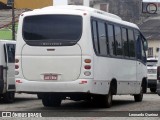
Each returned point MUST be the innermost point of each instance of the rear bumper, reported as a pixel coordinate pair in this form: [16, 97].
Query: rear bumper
[152, 83]
[158, 88]
[77, 86]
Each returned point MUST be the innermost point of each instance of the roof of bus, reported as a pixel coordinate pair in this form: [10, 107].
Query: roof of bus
[93, 12]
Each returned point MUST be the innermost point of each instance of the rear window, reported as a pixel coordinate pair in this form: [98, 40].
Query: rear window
[52, 30]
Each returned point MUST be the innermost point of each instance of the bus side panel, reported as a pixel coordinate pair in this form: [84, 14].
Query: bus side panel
[123, 70]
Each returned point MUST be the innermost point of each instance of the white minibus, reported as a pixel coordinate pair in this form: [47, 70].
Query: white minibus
[79, 53]
[7, 70]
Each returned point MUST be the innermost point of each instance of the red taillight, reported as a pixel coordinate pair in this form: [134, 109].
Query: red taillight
[87, 67]
[158, 73]
[16, 66]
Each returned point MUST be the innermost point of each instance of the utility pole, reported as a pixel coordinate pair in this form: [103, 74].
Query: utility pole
[13, 21]
[10, 3]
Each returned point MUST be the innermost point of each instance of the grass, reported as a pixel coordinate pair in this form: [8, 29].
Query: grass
[6, 33]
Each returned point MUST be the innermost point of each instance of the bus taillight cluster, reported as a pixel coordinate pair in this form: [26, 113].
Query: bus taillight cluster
[16, 66]
[87, 67]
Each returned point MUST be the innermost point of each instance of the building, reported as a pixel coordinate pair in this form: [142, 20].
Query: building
[129, 10]
[151, 30]
[30, 4]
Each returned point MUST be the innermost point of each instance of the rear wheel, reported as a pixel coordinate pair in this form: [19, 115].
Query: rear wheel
[103, 100]
[153, 90]
[39, 96]
[9, 97]
[139, 97]
[108, 100]
[49, 100]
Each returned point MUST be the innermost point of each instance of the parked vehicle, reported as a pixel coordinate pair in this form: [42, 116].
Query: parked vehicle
[158, 75]
[7, 70]
[152, 73]
[79, 53]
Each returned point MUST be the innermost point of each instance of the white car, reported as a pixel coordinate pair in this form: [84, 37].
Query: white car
[152, 73]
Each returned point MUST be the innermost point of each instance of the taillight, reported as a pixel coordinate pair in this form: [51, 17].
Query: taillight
[1, 72]
[87, 67]
[87, 60]
[158, 73]
[16, 60]
[16, 66]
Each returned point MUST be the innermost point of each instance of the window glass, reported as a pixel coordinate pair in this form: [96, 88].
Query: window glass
[102, 38]
[10, 52]
[144, 59]
[125, 42]
[150, 52]
[95, 36]
[138, 45]
[111, 40]
[141, 54]
[60, 29]
[118, 41]
[131, 43]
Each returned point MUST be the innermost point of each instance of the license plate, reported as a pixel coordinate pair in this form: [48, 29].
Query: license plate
[50, 77]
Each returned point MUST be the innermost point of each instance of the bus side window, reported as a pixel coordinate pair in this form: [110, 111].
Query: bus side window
[138, 45]
[144, 59]
[125, 42]
[141, 54]
[118, 41]
[102, 38]
[111, 40]
[95, 37]
[131, 42]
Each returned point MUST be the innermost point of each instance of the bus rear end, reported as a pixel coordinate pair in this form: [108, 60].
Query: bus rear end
[49, 56]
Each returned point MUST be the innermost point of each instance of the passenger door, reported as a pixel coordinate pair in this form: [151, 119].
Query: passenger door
[10, 67]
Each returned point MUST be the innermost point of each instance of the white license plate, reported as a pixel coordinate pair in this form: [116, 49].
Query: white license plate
[50, 77]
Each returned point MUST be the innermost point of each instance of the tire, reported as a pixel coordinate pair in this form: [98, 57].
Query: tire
[46, 100]
[108, 100]
[39, 96]
[9, 97]
[104, 101]
[153, 90]
[139, 97]
[51, 100]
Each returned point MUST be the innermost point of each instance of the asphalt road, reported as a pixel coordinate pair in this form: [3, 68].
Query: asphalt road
[86, 111]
